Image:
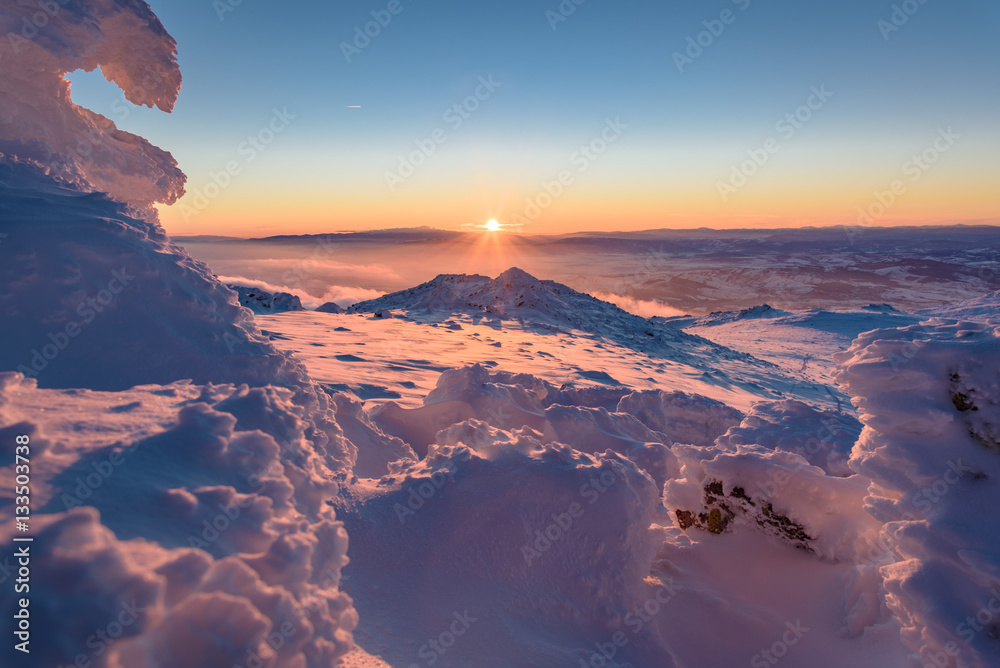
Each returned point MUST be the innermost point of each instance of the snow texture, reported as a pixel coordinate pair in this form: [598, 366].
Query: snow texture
[181, 465]
[929, 397]
[261, 301]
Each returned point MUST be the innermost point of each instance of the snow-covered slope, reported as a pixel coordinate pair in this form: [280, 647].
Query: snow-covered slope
[722, 317]
[507, 519]
[529, 476]
[174, 525]
[767, 523]
[94, 296]
[981, 309]
[801, 342]
[547, 306]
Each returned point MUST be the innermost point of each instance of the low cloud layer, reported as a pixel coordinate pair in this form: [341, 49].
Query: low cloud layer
[343, 295]
[640, 307]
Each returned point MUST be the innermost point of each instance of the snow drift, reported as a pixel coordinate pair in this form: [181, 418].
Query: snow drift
[240, 562]
[538, 550]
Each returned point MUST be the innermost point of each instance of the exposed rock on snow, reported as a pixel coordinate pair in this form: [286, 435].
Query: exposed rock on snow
[772, 491]
[330, 307]
[537, 523]
[261, 301]
[721, 509]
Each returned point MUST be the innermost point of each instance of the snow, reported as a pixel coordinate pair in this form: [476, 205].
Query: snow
[39, 122]
[89, 277]
[781, 425]
[542, 553]
[243, 544]
[982, 309]
[929, 397]
[261, 301]
[180, 464]
[685, 418]
[401, 358]
[544, 305]
[782, 465]
[474, 471]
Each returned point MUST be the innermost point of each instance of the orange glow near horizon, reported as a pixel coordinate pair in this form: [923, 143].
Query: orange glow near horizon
[244, 211]
[494, 252]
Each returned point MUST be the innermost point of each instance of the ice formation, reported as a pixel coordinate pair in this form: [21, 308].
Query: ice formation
[180, 464]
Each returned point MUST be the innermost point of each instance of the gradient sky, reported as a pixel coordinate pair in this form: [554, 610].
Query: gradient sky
[892, 92]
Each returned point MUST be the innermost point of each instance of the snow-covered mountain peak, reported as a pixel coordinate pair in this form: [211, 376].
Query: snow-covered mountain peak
[513, 294]
[516, 276]
[545, 306]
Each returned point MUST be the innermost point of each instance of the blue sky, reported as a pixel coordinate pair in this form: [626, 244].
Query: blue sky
[557, 88]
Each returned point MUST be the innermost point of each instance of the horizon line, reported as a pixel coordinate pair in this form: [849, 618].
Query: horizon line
[479, 232]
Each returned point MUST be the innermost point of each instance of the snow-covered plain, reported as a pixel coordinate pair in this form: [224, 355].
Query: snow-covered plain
[476, 471]
[771, 449]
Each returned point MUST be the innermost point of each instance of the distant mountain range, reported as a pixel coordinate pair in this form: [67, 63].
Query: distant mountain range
[951, 235]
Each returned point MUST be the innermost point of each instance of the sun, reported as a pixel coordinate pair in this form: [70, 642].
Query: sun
[492, 225]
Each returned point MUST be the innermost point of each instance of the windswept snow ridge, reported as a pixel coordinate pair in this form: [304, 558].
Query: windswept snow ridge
[929, 397]
[94, 297]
